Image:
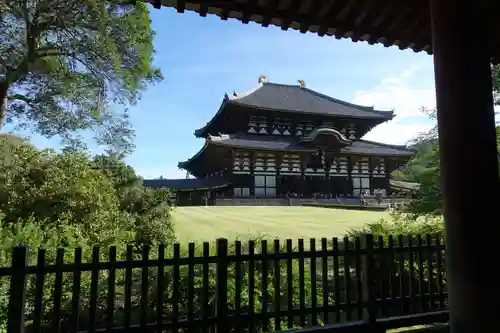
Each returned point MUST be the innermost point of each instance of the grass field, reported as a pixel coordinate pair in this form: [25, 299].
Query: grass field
[208, 223]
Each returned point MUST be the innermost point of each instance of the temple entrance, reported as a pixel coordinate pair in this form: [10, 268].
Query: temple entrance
[265, 186]
[341, 186]
[191, 198]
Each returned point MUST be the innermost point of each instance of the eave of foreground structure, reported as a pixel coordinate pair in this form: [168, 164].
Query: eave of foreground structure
[405, 24]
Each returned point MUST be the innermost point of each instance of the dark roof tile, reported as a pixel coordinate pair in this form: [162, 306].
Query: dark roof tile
[190, 183]
[375, 148]
[293, 98]
[274, 97]
[362, 147]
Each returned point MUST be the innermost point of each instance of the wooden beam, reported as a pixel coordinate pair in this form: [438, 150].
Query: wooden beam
[467, 133]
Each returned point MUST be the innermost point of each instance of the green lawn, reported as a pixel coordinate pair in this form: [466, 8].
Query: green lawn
[208, 223]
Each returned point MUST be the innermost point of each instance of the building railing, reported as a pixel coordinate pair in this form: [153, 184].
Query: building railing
[368, 283]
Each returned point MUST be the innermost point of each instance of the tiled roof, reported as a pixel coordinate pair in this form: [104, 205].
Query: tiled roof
[361, 147]
[190, 183]
[375, 148]
[396, 184]
[293, 98]
[256, 142]
[274, 97]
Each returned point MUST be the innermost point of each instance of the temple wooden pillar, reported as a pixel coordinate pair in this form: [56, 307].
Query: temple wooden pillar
[467, 136]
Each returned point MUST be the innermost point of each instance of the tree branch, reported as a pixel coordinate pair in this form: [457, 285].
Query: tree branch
[3, 101]
[21, 98]
[52, 51]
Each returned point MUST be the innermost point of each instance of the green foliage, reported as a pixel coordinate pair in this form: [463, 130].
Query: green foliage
[429, 200]
[403, 229]
[51, 201]
[401, 224]
[198, 286]
[419, 164]
[64, 64]
[425, 145]
[344, 206]
[50, 186]
[495, 74]
[424, 168]
[148, 207]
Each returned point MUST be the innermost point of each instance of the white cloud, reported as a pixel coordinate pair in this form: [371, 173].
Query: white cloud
[395, 133]
[402, 94]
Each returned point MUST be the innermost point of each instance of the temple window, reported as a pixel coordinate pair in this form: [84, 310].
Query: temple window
[359, 184]
[265, 186]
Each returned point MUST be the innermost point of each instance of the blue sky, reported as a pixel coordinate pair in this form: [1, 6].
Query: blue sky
[202, 58]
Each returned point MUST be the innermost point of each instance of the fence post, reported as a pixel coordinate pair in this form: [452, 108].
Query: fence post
[368, 275]
[221, 286]
[17, 291]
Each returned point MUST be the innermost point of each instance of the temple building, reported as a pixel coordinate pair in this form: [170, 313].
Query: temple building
[285, 141]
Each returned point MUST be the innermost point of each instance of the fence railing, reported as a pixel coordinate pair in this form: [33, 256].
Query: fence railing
[379, 283]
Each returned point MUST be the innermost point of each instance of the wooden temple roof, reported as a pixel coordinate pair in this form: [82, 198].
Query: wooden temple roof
[274, 97]
[402, 23]
[188, 183]
[292, 144]
[403, 186]
[361, 147]
[294, 98]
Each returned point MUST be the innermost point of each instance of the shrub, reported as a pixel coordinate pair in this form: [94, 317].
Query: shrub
[55, 200]
[349, 207]
[148, 207]
[409, 275]
[401, 224]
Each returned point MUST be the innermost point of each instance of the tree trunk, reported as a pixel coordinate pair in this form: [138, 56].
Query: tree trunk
[4, 87]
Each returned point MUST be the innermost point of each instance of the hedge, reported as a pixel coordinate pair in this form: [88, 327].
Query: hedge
[344, 206]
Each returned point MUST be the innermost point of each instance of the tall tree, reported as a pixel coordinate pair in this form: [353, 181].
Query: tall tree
[64, 64]
[495, 75]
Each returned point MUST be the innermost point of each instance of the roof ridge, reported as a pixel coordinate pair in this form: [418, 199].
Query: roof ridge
[219, 137]
[336, 100]
[281, 84]
[384, 144]
[245, 93]
[330, 98]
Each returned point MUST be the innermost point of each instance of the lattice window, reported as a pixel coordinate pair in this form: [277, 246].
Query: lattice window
[290, 165]
[299, 130]
[351, 132]
[252, 125]
[378, 167]
[360, 184]
[265, 186]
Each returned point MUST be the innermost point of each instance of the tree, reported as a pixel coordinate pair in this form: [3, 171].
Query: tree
[65, 63]
[419, 164]
[150, 208]
[66, 200]
[495, 75]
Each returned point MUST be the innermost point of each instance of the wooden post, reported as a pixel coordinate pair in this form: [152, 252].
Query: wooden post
[253, 157]
[370, 174]
[17, 291]
[221, 286]
[349, 174]
[368, 275]
[467, 133]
